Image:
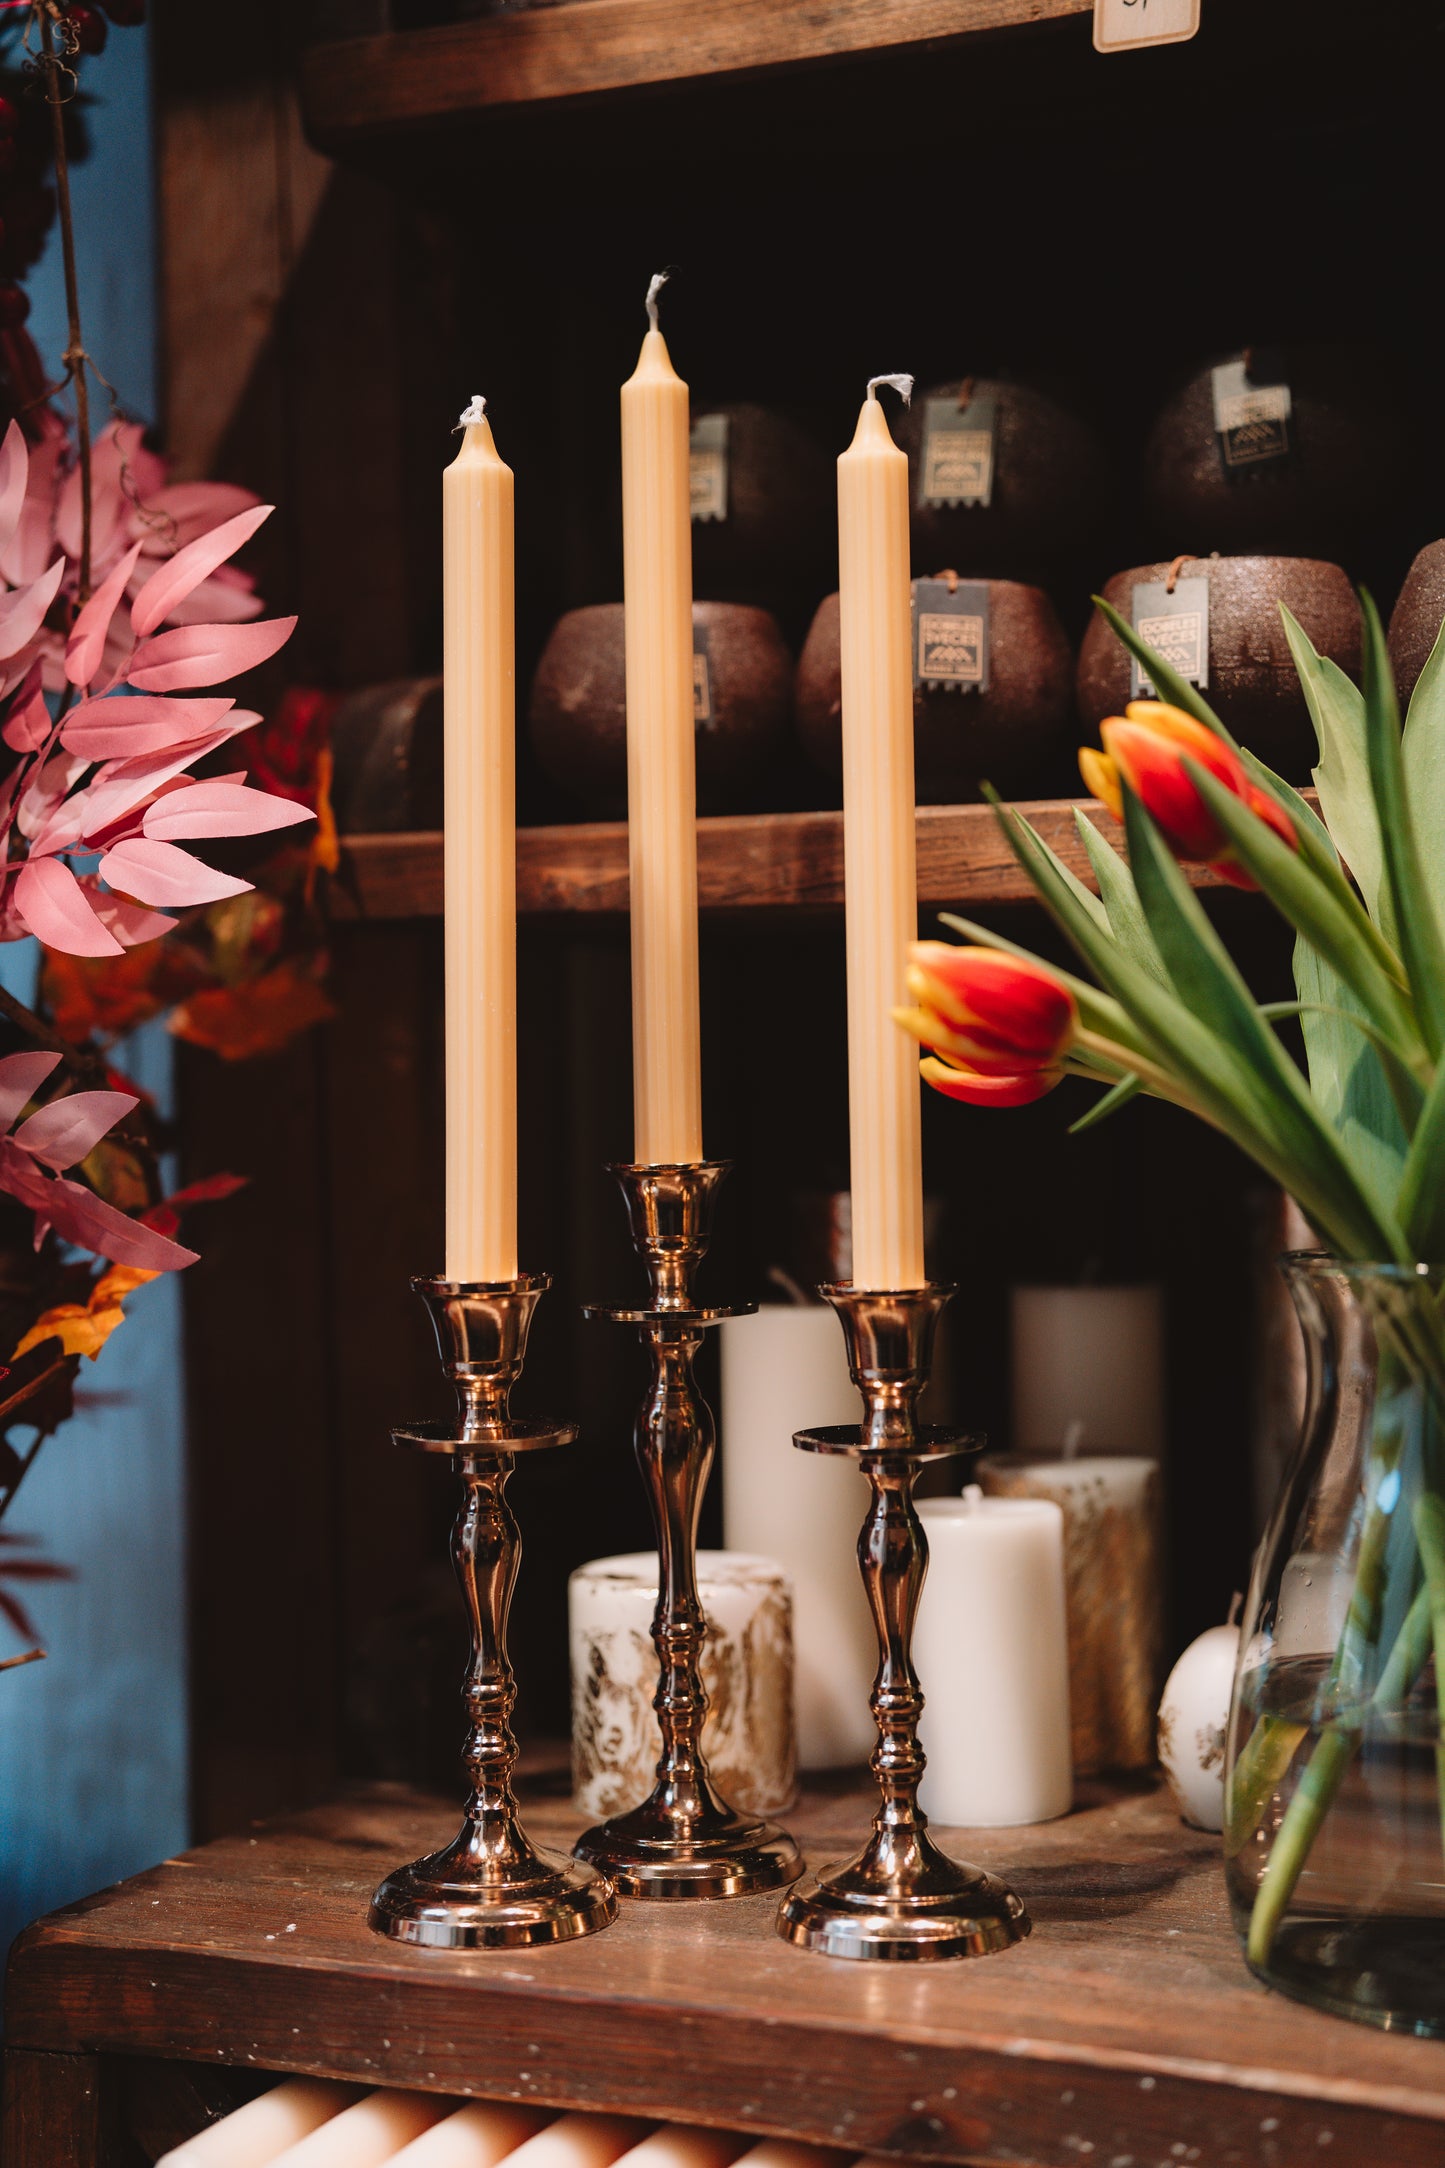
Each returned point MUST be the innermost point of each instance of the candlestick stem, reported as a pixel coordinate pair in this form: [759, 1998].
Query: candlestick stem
[683, 1841]
[901, 1897]
[491, 1887]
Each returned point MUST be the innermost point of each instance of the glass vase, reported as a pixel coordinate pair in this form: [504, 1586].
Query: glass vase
[1335, 1781]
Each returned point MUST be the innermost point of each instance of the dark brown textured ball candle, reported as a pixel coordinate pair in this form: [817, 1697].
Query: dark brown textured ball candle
[1013, 734]
[1253, 686]
[577, 715]
[1417, 617]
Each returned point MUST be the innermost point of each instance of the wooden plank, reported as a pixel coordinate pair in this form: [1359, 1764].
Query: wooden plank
[57, 2109]
[1126, 2026]
[746, 862]
[366, 86]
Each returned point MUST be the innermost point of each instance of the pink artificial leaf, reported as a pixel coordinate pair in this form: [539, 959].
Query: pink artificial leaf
[14, 474]
[44, 793]
[173, 662]
[160, 873]
[119, 467]
[219, 601]
[32, 545]
[215, 808]
[79, 1216]
[64, 1131]
[166, 589]
[54, 907]
[86, 644]
[28, 724]
[22, 613]
[21, 1076]
[182, 511]
[131, 923]
[117, 726]
[114, 799]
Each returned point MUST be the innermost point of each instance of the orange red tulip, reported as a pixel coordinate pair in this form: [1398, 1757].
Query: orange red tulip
[1147, 747]
[998, 1026]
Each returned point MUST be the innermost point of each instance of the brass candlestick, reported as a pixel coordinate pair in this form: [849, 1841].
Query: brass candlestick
[490, 1888]
[683, 1841]
[900, 1898]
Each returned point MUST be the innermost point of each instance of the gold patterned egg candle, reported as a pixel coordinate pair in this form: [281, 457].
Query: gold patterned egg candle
[747, 1670]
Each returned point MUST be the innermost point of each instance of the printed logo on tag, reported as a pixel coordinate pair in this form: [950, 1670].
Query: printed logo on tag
[708, 466]
[958, 452]
[1176, 627]
[702, 714]
[1252, 418]
[950, 635]
[1122, 25]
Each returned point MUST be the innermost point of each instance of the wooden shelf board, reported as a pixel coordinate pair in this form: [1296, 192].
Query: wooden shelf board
[1126, 2026]
[362, 87]
[746, 863]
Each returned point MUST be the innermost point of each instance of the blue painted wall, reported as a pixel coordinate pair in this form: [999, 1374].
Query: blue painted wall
[93, 1742]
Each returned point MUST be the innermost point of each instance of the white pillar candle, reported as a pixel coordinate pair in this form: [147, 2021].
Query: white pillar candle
[747, 1670]
[1111, 1574]
[477, 2136]
[879, 850]
[480, 874]
[783, 1370]
[1088, 1370]
[661, 769]
[991, 1651]
[371, 2131]
[253, 2136]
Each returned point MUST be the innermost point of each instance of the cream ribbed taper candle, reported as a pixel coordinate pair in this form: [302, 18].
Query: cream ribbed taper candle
[661, 780]
[880, 871]
[481, 858]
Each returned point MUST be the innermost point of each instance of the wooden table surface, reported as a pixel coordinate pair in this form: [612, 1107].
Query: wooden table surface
[1125, 2033]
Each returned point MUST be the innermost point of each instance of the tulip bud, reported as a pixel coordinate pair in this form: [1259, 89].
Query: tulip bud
[1147, 747]
[1001, 1023]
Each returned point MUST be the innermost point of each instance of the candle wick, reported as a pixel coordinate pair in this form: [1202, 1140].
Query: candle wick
[474, 412]
[903, 385]
[1074, 1438]
[658, 281]
[973, 1496]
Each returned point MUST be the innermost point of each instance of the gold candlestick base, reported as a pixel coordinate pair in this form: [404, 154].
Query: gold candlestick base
[683, 1841]
[491, 1888]
[901, 1899]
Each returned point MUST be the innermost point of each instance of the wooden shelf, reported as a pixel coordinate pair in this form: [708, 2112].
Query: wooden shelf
[749, 863]
[1126, 2027]
[366, 87]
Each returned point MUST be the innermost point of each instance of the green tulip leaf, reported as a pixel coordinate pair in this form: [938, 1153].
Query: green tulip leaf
[1120, 898]
[1423, 749]
[1337, 709]
[1129, 1088]
[1422, 947]
[1349, 1079]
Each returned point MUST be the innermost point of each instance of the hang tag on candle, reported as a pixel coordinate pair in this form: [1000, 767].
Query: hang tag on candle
[950, 636]
[1252, 409]
[708, 466]
[958, 452]
[1176, 626]
[703, 717]
[1120, 26]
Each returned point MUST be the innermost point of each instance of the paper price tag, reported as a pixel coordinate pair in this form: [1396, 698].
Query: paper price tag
[958, 452]
[1176, 626]
[1251, 415]
[1122, 25]
[950, 636]
[708, 467]
[703, 717]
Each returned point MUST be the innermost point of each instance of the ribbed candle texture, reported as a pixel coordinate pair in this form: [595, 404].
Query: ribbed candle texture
[880, 871]
[481, 860]
[661, 780]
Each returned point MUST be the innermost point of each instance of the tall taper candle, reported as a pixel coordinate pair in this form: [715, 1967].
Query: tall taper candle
[661, 781]
[480, 888]
[880, 872]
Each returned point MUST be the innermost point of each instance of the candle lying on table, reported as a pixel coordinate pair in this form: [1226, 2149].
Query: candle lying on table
[677, 2145]
[747, 1671]
[879, 850]
[1110, 1505]
[480, 872]
[373, 2130]
[661, 761]
[253, 2136]
[477, 2136]
[991, 1650]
